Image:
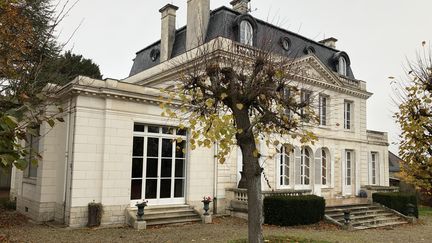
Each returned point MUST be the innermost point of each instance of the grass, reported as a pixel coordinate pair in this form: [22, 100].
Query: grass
[425, 211]
[282, 239]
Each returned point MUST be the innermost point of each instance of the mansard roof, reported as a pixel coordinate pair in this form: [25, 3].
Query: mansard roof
[221, 24]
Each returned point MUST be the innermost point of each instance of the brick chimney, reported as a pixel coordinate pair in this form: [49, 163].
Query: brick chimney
[198, 16]
[330, 42]
[241, 6]
[168, 31]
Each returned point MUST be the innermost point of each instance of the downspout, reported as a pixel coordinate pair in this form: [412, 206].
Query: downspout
[215, 187]
[69, 157]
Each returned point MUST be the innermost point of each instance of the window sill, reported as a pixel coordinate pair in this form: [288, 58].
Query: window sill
[349, 130]
[28, 180]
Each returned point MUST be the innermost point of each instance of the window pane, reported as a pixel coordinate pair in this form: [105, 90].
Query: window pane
[165, 190]
[153, 129]
[151, 188]
[179, 188]
[137, 168]
[139, 128]
[138, 146]
[152, 147]
[151, 169]
[166, 168]
[32, 170]
[136, 187]
[167, 146]
[180, 149]
[181, 132]
[167, 130]
[179, 168]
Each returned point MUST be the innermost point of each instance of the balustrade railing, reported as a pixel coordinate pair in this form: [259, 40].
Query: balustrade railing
[241, 194]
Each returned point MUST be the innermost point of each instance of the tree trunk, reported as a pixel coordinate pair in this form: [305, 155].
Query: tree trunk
[252, 172]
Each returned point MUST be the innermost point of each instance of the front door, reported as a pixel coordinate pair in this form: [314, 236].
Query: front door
[348, 172]
[158, 165]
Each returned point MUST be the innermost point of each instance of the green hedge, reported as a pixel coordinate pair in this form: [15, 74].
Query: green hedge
[397, 201]
[293, 210]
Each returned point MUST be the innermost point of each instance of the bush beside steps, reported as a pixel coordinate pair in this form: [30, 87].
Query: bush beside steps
[293, 210]
[397, 201]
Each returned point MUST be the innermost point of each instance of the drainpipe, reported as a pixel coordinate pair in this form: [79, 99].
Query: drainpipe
[70, 135]
[216, 149]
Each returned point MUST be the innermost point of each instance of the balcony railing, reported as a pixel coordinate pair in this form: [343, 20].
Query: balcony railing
[241, 194]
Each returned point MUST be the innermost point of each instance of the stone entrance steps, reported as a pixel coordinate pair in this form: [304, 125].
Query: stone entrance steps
[169, 214]
[364, 216]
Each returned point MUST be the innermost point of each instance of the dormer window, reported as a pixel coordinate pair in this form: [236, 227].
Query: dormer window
[342, 66]
[246, 33]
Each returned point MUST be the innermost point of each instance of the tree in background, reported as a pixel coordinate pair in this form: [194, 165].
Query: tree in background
[415, 119]
[61, 70]
[239, 99]
[29, 60]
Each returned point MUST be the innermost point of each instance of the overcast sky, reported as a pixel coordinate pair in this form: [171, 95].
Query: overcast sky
[378, 35]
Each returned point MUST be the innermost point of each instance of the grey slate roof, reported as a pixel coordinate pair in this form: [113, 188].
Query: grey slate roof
[221, 24]
[394, 162]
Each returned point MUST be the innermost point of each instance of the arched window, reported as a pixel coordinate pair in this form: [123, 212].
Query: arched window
[305, 166]
[324, 167]
[342, 66]
[284, 159]
[246, 33]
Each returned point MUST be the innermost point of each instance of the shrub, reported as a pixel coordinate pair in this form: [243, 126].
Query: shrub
[397, 201]
[8, 204]
[293, 210]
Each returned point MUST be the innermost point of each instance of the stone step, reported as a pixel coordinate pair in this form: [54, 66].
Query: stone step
[173, 221]
[349, 206]
[352, 209]
[375, 221]
[391, 224]
[358, 213]
[359, 217]
[170, 215]
[168, 211]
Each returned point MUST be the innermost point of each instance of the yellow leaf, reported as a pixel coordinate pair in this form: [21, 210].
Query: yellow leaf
[240, 106]
[223, 96]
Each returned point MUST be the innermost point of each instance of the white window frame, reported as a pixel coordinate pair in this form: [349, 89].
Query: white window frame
[284, 160]
[305, 167]
[348, 115]
[323, 110]
[348, 169]
[246, 33]
[374, 168]
[342, 66]
[325, 159]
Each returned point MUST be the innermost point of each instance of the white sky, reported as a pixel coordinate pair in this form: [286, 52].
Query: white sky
[378, 35]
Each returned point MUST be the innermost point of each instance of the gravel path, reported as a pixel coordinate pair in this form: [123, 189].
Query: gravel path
[222, 230]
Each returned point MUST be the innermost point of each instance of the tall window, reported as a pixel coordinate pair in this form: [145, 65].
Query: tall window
[348, 106]
[306, 99]
[284, 162]
[348, 169]
[374, 165]
[33, 149]
[342, 66]
[246, 33]
[305, 166]
[323, 102]
[324, 167]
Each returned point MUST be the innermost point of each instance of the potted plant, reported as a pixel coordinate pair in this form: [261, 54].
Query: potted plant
[140, 213]
[95, 211]
[206, 200]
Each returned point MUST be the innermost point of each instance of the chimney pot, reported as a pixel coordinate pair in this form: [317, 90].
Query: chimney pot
[330, 42]
[168, 31]
[241, 6]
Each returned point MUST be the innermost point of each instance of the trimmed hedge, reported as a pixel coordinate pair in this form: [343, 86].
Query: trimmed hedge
[293, 210]
[397, 201]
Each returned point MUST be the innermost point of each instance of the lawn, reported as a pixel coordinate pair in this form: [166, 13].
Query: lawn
[425, 211]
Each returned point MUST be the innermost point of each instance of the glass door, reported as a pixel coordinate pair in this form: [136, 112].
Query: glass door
[349, 159]
[158, 165]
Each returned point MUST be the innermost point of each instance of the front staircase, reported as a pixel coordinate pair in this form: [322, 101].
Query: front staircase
[365, 216]
[163, 215]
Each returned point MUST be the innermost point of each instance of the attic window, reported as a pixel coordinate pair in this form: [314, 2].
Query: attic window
[154, 54]
[285, 43]
[309, 50]
[246, 33]
[342, 66]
